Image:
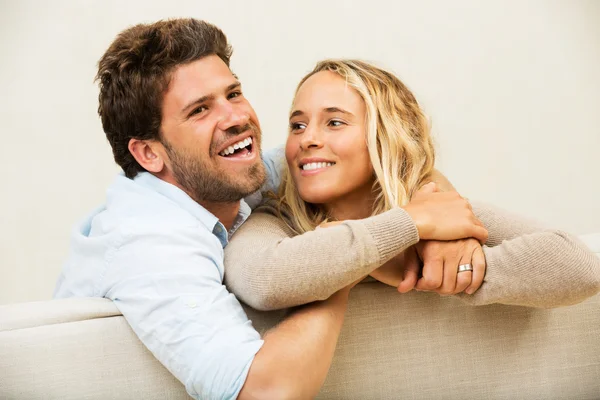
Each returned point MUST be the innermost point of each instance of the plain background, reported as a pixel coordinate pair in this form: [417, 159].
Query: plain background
[512, 89]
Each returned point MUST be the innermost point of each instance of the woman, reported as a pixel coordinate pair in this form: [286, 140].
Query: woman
[358, 152]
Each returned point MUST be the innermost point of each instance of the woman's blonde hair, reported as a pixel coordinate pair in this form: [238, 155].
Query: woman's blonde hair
[398, 140]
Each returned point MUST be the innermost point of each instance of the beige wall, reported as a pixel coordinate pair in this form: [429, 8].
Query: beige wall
[512, 87]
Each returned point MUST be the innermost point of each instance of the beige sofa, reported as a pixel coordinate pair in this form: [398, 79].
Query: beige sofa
[431, 348]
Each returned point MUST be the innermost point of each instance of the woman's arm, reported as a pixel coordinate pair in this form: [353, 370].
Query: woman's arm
[269, 268]
[528, 265]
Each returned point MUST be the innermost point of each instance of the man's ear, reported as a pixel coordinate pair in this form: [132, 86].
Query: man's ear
[147, 153]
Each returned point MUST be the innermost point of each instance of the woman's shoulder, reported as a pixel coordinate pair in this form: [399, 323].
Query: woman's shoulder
[269, 216]
[272, 206]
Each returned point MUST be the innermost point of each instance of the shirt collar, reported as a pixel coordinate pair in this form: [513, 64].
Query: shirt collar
[182, 199]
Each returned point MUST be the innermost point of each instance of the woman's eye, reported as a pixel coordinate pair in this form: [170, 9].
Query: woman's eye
[336, 123]
[233, 95]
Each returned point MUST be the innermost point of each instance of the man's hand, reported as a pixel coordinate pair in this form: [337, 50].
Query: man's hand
[440, 266]
[401, 272]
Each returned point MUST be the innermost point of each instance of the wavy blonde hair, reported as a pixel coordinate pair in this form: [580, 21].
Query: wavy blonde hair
[398, 140]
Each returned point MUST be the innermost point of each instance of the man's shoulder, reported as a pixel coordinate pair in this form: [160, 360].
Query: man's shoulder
[274, 160]
[135, 229]
[137, 216]
[132, 206]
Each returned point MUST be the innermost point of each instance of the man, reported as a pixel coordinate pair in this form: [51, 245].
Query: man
[189, 145]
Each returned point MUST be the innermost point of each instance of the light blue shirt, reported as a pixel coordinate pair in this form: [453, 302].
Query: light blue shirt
[158, 255]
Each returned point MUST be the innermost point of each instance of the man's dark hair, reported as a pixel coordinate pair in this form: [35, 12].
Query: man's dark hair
[134, 75]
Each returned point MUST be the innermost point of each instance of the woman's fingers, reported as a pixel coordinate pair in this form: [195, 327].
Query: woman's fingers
[478, 231]
[463, 279]
[444, 216]
[479, 266]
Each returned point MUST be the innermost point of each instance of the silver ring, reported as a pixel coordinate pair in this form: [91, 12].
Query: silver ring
[465, 267]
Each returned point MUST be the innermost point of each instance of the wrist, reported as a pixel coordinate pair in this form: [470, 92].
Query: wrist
[342, 295]
[423, 228]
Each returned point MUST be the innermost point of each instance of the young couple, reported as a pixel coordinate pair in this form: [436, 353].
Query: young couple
[354, 200]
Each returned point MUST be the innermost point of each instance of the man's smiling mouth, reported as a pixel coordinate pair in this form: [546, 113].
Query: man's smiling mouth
[240, 149]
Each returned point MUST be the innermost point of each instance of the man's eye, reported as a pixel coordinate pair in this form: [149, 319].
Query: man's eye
[233, 95]
[297, 126]
[198, 110]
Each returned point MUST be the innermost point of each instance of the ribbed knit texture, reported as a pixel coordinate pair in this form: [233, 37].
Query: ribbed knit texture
[392, 231]
[268, 267]
[528, 265]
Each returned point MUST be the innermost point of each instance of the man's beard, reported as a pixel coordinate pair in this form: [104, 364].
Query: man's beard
[204, 182]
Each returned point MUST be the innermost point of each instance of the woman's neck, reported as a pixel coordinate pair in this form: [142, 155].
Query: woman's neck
[351, 207]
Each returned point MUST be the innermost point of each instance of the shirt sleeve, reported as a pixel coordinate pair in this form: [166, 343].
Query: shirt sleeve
[274, 160]
[168, 285]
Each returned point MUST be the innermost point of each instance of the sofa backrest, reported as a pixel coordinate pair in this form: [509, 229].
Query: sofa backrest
[429, 347]
[77, 349]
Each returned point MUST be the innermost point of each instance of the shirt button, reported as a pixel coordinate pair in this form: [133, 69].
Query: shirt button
[191, 305]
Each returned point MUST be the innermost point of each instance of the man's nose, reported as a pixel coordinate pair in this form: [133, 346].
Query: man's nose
[232, 115]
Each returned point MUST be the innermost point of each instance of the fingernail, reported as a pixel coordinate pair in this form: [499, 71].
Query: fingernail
[469, 291]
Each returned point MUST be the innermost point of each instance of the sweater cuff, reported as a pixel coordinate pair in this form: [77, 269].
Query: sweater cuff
[393, 231]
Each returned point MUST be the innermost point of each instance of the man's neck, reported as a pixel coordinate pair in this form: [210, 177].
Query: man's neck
[225, 212]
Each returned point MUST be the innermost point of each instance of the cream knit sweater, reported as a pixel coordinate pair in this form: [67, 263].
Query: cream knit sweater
[268, 267]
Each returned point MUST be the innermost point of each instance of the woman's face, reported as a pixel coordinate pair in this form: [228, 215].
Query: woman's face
[326, 149]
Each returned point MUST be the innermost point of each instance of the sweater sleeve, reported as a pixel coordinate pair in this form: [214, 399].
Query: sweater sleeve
[528, 265]
[269, 268]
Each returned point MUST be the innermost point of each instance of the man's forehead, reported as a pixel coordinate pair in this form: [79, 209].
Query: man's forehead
[204, 77]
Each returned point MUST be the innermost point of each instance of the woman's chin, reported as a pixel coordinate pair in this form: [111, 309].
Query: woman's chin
[315, 197]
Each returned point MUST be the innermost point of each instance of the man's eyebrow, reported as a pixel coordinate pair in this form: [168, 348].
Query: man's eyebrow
[234, 85]
[295, 113]
[199, 100]
[209, 97]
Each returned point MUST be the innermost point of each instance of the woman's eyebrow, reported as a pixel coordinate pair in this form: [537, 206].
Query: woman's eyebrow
[331, 110]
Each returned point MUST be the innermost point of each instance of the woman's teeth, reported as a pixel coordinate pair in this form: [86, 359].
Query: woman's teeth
[316, 165]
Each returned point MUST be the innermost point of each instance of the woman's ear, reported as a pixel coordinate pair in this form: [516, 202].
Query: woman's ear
[147, 153]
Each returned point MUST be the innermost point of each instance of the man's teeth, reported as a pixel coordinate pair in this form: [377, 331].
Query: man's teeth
[239, 145]
[316, 165]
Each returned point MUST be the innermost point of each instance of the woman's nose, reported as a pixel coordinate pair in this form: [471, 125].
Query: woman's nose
[311, 139]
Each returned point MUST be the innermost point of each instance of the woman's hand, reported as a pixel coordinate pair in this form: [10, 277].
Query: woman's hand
[440, 259]
[444, 216]
[440, 266]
